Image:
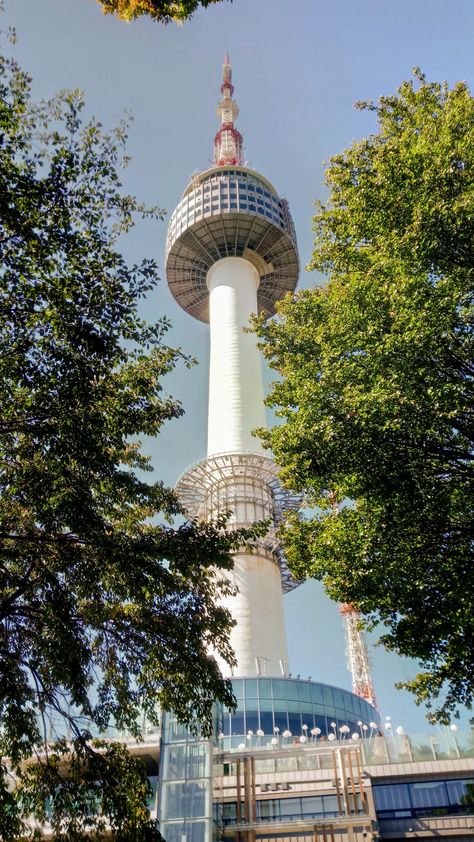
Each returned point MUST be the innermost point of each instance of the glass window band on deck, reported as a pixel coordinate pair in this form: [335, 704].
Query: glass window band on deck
[223, 187]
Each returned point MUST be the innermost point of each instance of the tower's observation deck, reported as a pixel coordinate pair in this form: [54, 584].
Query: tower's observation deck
[230, 212]
[231, 252]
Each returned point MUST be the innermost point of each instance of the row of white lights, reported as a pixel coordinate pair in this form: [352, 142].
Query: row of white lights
[344, 730]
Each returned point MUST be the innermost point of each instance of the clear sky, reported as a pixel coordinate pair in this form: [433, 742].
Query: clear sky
[298, 67]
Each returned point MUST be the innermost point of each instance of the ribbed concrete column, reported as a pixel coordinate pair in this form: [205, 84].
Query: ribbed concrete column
[258, 639]
[235, 376]
[235, 409]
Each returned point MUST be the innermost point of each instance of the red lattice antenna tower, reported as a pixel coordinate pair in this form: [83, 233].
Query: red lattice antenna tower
[228, 143]
[358, 660]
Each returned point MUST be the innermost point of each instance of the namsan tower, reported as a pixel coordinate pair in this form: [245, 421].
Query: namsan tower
[295, 758]
[231, 252]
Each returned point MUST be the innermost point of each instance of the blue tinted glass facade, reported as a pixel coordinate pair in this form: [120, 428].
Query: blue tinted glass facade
[185, 786]
[277, 809]
[424, 798]
[289, 708]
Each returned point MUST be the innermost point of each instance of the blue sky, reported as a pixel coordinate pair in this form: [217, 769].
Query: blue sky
[298, 67]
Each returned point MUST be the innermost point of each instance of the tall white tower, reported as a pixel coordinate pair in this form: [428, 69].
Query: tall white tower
[231, 252]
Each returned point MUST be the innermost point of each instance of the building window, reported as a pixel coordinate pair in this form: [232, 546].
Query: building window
[183, 799]
[461, 794]
[393, 798]
[424, 798]
[275, 809]
[429, 794]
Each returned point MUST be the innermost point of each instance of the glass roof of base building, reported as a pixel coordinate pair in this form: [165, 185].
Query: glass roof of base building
[290, 708]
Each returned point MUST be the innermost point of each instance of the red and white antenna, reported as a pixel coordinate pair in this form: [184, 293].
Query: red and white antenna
[358, 659]
[228, 143]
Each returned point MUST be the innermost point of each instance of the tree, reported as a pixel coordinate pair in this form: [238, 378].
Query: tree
[107, 610]
[376, 389]
[163, 11]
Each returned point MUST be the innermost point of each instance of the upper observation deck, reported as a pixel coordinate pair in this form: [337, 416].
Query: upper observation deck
[230, 211]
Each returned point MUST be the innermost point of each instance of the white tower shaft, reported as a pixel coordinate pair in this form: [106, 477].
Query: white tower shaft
[235, 409]
[235, 376]
[258, 638]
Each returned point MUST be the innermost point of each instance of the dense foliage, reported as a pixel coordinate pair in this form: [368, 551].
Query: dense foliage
[376, 390]
[105, 612]
[163, 11]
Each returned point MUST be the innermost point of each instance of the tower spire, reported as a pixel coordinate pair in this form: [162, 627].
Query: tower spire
[228, 141]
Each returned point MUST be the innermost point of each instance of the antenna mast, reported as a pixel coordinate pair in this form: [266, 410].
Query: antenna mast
[358, 660]
[228, 143]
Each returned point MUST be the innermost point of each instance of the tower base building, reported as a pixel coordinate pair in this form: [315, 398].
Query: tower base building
[282, 789]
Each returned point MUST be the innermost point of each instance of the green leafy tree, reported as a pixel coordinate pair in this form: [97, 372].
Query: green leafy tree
[105, 612]
[163, 11]
[376, 390]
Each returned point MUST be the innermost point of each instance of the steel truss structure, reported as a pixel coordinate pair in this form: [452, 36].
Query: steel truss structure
[246, 485]
[358, 660]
